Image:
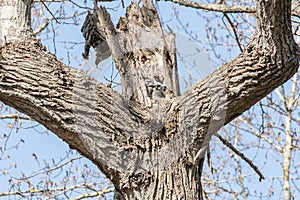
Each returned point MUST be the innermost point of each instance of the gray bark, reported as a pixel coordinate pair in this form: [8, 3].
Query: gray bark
[150, 141]
[15, 19]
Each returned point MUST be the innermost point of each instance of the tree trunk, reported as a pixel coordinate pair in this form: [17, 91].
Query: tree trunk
[15, 19]
[150, 142]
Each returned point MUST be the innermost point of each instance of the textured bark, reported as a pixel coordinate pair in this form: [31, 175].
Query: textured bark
[150, 141]
[15, 20]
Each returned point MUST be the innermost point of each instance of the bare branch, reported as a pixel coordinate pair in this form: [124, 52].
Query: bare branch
[41, 28]
[247, 160]
[64, 189]
[15, 116]
[95, 194]
[225, 8]
[50, 12]
[234, 32]
[50, 170]
[257, 134]
[216, 7]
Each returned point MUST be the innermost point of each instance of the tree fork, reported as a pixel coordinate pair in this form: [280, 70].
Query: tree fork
[131, 138]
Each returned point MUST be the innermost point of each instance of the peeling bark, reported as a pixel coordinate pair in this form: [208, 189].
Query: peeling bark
[150, 141]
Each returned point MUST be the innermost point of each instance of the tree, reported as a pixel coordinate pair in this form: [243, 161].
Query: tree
[130, 137]
[267, 135]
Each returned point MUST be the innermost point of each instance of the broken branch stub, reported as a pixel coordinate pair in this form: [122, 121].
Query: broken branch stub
[94, 38]
[144, 56]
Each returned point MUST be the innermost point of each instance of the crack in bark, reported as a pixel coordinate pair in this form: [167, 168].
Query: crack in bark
[150, 143]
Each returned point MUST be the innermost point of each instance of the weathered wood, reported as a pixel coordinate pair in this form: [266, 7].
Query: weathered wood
[15, 20]
[139, 47]
[150, 141]
[94, 38]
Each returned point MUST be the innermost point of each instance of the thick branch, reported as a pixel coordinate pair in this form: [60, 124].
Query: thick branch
[134, 150]
[88, 115]
[267, 62]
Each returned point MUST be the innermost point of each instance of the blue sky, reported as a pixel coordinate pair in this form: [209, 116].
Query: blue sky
[47, 146]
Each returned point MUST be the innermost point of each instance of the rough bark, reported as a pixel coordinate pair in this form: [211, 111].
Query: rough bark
[15, 19]
[150, 141]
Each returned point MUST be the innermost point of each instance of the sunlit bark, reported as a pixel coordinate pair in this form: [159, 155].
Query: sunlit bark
[150, 141]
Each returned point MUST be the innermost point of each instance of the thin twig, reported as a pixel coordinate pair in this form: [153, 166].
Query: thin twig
[41, 28]
[263, 113]
[107, 190]
[216, 7]
[50, 12]
[32, 190]
[53, 39]
[234, 31]
[247, 160]
[79, 6]
[50, 170]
